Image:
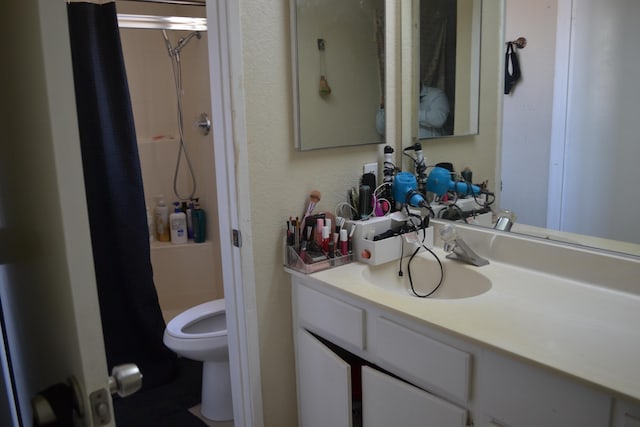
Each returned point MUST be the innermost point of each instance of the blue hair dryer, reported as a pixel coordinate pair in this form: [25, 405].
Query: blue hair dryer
[405, 190]
[439, 182]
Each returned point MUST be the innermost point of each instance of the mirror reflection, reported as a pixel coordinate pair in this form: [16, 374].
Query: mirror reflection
[584, 165]
[448, 49]
[339, 63]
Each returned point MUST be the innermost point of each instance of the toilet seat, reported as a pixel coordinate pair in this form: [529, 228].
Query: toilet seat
[177, 326]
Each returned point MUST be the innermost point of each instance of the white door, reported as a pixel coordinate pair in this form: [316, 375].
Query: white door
[597, 153]
[47, 283]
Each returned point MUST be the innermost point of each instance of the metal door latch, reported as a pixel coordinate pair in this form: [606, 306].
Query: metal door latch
[124, 380]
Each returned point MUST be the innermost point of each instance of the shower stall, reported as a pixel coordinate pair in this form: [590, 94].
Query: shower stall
[166, 59]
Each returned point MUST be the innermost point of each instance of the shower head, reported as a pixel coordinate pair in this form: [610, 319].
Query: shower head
[175, 51]
[184, 40]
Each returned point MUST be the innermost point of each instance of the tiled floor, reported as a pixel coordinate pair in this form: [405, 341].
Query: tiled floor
[196, 411]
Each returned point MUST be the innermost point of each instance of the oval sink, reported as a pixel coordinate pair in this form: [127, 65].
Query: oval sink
[460, 280]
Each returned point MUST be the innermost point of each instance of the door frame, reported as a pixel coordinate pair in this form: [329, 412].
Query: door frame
[228, 125]
[559, 115]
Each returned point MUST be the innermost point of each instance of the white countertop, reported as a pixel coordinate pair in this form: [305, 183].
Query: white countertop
[586, 331]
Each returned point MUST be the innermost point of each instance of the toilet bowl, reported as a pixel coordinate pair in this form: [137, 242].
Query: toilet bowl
[200, 333]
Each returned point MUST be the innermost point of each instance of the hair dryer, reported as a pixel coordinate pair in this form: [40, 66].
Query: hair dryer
[405, 191]
[439, 182]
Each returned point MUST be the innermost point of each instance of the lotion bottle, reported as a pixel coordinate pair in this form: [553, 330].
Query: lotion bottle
[178, 221]
[161, 218]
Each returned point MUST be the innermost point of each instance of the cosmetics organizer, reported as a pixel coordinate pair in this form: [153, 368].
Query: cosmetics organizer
[293, 260]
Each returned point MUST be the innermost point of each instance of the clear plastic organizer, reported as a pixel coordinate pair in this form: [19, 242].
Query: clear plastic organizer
[312, 263]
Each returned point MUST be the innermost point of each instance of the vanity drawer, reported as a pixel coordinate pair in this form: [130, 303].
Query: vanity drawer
[330, 317]
[420, 359]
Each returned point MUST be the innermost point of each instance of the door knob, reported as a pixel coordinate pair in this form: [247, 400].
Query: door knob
[125, 379]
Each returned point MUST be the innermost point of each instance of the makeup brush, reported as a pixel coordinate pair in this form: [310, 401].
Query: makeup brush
[314, 198]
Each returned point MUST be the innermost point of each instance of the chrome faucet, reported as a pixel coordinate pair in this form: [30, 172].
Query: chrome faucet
[458, 249]
[506, 218]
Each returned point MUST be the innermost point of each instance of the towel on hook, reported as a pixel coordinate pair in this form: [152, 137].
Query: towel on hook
[512, 68]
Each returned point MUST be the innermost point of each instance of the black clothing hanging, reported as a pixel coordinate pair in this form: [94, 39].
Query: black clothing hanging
[512, 68]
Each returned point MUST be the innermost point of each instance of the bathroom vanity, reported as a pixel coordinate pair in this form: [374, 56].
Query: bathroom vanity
[552, 340]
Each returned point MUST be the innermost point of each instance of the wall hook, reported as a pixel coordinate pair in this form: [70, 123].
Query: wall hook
[520, 42]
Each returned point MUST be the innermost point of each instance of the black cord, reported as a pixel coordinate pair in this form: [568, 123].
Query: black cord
[409, 156]
[406, 205]
[411, 279]
[400, 273]
[424, 224]
[460, 211]
[390, 165]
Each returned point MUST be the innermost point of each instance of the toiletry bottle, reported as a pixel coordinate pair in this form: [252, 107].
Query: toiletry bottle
[150, 227]
[344, 239]
[318, 231]
[199, 223]
[161, 218]
[178, 221]
[189, 213]
[325, 238]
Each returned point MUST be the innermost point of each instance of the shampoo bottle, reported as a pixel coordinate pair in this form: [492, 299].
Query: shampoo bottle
[199, 223]
[161, 218]
[178, 221]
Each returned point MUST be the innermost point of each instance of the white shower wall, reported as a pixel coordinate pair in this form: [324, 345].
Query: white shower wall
[184, 275]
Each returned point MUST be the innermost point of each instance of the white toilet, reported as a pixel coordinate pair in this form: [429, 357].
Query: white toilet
[200, 333]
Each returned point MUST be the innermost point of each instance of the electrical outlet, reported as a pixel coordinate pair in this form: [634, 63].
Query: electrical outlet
[371, 168]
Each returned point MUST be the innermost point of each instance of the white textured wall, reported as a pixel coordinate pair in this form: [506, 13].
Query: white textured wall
[281, 178]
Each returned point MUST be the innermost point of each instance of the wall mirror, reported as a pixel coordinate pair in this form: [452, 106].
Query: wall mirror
[547, 183]
[582, 146]
[447, 57]
[338, 54]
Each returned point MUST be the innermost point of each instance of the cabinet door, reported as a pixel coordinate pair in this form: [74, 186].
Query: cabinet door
[324, 384]
[387, 401]
[522, 395]
[626, 413]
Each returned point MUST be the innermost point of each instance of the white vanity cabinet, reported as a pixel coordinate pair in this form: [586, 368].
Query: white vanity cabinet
[382, 397]
[411, 374]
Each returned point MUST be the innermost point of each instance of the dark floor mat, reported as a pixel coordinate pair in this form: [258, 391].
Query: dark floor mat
[166, 405]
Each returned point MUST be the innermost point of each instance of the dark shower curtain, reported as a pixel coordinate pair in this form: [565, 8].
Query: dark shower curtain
[132, 322]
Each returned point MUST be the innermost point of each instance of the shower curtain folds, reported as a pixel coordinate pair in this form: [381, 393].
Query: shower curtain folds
[132, 321]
